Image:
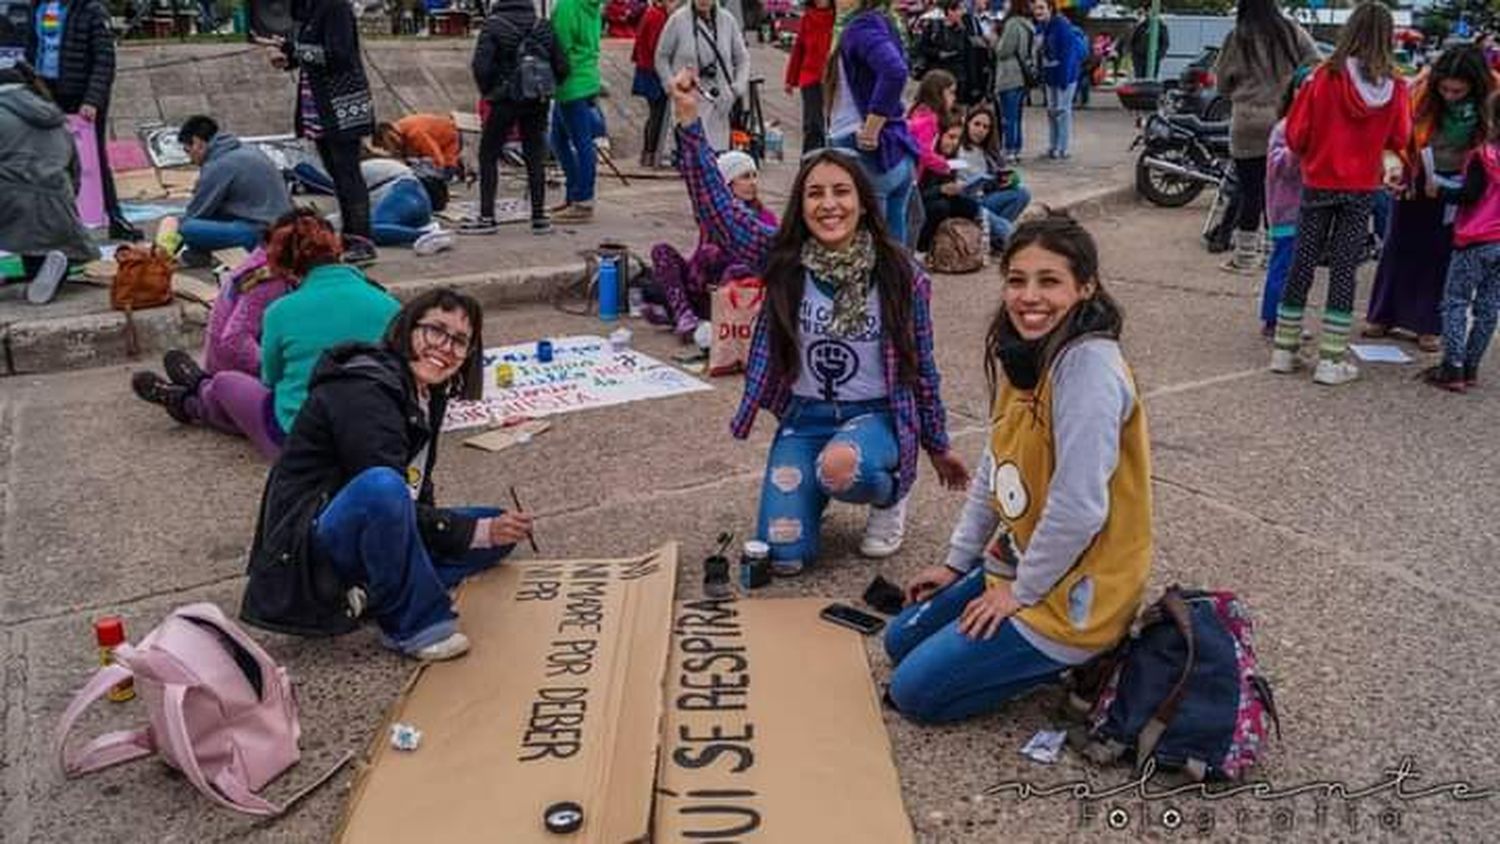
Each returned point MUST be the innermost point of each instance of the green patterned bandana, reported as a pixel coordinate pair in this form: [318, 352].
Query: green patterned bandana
[847, 272]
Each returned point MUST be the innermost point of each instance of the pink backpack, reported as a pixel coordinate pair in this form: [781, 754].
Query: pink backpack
[222, 712]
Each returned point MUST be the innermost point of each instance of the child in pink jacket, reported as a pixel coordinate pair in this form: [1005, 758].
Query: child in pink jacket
[1283, 201]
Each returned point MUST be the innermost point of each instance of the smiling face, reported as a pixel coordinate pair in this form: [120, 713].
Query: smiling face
[830, 205]
[439, 343]
[979, 128]
[1041, 290]
[746, 187]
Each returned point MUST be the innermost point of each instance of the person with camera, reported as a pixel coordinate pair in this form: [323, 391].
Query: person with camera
[704, 36]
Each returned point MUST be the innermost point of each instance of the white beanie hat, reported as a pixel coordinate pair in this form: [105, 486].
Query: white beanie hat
[735, 163]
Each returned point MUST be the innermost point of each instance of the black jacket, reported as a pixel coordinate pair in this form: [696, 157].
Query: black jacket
[361, 413]
[86, 68]
[498, 47]
[325, 46]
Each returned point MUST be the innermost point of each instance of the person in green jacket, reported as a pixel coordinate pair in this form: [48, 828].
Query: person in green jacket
[577, 24]
[332, 303]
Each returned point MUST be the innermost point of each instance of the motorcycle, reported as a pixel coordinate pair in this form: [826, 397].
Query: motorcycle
[1182, 155]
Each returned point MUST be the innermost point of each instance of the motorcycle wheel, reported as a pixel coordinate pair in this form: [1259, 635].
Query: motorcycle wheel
[1164, 189]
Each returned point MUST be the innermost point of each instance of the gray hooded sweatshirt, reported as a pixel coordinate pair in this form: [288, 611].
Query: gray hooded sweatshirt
[238, 182]
[38, 171]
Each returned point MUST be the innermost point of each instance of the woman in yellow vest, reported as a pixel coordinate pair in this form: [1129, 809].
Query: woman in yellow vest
[1050, 557]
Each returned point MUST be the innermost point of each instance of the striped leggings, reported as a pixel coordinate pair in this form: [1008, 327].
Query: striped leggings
[1332, 228]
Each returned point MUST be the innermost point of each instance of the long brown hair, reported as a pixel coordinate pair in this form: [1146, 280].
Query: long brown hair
[786, 277]
[991, 145]
[1466, 63]
[930, 91]
[1367, 36]
[1100, 314]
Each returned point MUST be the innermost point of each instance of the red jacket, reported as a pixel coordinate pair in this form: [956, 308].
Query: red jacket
[810, 51]
[1339, 137]
[646, 36]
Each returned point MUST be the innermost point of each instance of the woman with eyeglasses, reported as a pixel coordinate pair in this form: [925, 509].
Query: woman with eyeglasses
[842, 353]
[348, 521]
[329, 303]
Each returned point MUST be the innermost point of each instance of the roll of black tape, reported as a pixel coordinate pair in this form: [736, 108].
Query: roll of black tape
[563, 818]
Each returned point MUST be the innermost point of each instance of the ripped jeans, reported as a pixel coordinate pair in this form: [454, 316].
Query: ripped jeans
[796, 489]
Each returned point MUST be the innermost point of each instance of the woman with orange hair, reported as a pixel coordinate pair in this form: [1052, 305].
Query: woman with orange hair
[331, 303]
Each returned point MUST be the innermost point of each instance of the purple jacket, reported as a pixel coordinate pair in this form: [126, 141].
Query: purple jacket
[872, 63]
[1283, 184]
[232, 342]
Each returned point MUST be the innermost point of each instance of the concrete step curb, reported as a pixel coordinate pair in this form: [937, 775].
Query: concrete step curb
[99, 339]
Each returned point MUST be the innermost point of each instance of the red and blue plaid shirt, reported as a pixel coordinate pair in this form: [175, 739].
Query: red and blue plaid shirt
[917, 409]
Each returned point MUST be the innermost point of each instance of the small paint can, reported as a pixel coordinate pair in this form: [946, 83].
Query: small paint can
[544, 351]
[505, 376]
[755, 565]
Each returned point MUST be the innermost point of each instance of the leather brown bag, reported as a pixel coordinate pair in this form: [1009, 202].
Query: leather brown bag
[143, 278]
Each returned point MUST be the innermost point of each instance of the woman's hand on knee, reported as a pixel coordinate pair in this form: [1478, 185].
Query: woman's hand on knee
[509, 528]
[929, 582]
[983, 616]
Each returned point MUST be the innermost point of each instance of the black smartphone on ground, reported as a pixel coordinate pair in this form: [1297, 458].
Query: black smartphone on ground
[857, 620]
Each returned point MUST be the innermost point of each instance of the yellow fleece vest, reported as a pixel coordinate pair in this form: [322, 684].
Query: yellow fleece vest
[1117, 562]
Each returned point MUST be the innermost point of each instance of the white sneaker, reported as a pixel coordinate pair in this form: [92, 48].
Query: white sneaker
[1335, 372]
[885, 528]
[1284, 361]
[432, 243]
[450, 648]
[43, 287]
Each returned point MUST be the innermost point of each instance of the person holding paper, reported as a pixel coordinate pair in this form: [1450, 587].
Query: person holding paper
[1446, 102]
[993, 182]
[38, 168]
[1049, 560]
[944, 194]
[348, 522]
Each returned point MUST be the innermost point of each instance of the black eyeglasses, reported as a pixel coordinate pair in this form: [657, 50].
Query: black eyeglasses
[436, 335]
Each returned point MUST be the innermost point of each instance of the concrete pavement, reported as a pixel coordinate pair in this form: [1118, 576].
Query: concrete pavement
[1356, 521]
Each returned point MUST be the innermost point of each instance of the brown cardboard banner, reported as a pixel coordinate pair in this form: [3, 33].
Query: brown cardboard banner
[559, 700]
[773, 730]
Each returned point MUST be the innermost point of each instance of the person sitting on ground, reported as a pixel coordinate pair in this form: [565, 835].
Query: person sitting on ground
[997, 185]
[332, 303]
[935, 100]
[401, 204]
[348, 520]
[38, 177]
[685, 285]
[1049, 560]
[434, 137]
[239, 192]
[943, 195]
[843, 353]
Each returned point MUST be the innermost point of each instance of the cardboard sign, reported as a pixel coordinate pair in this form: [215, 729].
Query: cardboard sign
[584, 373]
[773, 730]
[559, 699]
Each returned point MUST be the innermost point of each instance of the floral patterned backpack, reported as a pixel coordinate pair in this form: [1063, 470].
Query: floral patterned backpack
[1182, 690]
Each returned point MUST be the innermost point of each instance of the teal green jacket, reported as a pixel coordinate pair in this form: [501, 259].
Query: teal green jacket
[577, 24]
[334, 304]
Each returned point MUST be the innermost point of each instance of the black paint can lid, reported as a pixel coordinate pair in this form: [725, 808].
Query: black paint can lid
[563, 817]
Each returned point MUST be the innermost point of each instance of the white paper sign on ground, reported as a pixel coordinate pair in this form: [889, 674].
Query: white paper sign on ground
[1379, 353]
[582, 374]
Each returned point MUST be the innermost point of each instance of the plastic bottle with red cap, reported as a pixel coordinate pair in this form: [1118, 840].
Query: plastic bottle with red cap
[109, 632]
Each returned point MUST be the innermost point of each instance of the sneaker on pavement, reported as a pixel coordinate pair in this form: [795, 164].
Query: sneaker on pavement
[1334, 372]
[541, 225]
[450, 648]
[578, 212]
[182, 369]
[43, 286]
[148, 386]
[885, 528]
[360, 251]
[480, 225]
[1284, 361]
[432, 243]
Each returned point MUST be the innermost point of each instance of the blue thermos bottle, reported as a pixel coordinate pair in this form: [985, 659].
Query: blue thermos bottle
[609, 289]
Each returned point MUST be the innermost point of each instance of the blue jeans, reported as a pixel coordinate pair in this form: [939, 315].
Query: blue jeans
[209, 235]
[1283, 250]
[573, 144]
[943, 675]
[892, 187]
[402, 214]
[1473, 281]
[1059, 119]
[1382, 213]
[794, 492]
[1001, 209]
[1012, 107]
[368, 532]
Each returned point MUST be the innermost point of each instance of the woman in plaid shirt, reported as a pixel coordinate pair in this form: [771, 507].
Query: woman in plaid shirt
[842, 354]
